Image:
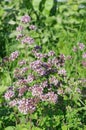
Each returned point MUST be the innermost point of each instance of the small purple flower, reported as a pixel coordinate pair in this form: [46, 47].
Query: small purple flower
[32, 27]
[19, 36]
[44, 84]
[5, 59]
[22, 90]
[23, 106]
[41, 71]
[46, 65]
[53, 80]
[22, 62]
[24, 70]
[37, 48]
[30, 78]
[19, 28]
[62, 57]
[50, 97]
[78, 90]
[53, 61]
[68, 57]
[21, 82]
[25, 19]
[51, 53]
[13, 103]
[62, 72]
[17, 73]
[81, 46]
[38, 55]
[14, 56]
[28, 40]
[26, 105]
[60, 91]
[36, 64]
[37, 91]
[9, 94]
[84, 55]
[74, 48]
[84, 63]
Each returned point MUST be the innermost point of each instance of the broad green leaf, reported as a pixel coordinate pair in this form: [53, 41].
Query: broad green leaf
[48, 6]
[36, 4]
[21, 127]
[10, 128]
[64, 127]
[1, 11]
[6, 79]
[2, 88]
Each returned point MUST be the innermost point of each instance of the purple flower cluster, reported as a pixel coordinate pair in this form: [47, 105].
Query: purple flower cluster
[14, 56]
[25, 19]
[19, 28]
[84, 63]
[22, 62]
[51, 53]
[27, 40]
[62, 72]
[44, 84]
[13, 103]
[37, 90]
[9, 94]
[19, 36]
[30, 78]
[84, 55]
[22, 90]
[50, 97]
[19, 72]
[32, 27]
[21, 82]
[81, 46]
[26, 106]
[54, 80]
[60, 91]
[34, 81]
[37, 66]
[74, 48]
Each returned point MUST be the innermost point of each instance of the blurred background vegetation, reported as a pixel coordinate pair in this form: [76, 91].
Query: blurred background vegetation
[59, 21]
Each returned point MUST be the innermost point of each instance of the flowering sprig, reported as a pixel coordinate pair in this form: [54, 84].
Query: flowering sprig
[37, 80]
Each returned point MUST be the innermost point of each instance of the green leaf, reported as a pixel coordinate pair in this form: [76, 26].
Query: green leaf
[12, 22]
[36, 4]
[64, 127]
[6, 79]
[36, 128]
[21, 127]
[34, 116]
[48, 6]
[24, 129]
[10, 128]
